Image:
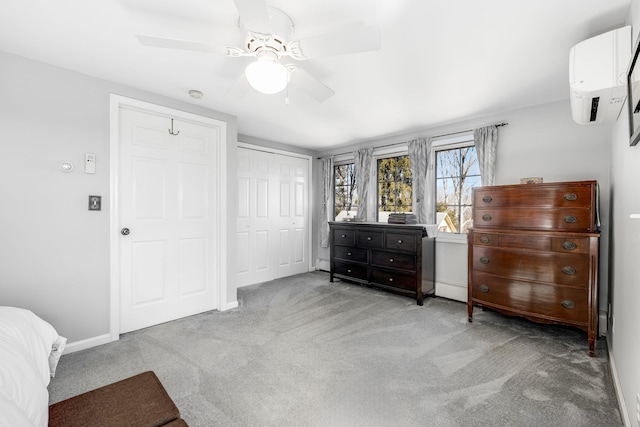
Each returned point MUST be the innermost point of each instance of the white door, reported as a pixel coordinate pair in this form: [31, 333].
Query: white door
[167, 190]
[273, 216]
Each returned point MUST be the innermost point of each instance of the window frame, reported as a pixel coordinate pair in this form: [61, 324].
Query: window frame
[443, 144]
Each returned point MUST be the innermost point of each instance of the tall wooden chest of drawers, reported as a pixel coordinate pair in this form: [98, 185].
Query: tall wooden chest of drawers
[533, 252]
[392, 257]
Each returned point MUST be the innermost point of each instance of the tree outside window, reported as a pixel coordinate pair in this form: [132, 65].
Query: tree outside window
[395, 186]
[345, 193]
[457, 172]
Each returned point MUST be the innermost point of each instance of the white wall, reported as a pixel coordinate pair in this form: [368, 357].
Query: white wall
[538, 141]
[624, 335]
[54, 253]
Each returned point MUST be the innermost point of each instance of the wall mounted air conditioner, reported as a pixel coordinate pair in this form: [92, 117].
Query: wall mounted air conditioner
[598, 76]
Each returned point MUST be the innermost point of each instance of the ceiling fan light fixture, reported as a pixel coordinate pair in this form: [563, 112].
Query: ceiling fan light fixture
[267, 75]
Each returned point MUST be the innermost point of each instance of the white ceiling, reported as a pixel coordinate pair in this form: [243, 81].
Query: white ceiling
[440, 61]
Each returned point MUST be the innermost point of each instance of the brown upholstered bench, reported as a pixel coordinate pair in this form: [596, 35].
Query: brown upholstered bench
[137, 401]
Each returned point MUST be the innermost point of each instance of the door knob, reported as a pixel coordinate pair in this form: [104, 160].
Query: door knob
[125, 231]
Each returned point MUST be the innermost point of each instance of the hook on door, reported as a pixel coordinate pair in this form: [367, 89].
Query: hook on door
[171, 130]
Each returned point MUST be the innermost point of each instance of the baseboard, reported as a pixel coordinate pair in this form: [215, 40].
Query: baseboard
[229, 306]
[454, 292]
[323, 264]
[618, 388]
[88, 343]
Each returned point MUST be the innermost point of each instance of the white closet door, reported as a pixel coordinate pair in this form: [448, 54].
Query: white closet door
[167, 194]
[273, 216]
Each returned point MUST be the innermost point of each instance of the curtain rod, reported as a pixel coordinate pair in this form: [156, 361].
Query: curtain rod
[400, 143]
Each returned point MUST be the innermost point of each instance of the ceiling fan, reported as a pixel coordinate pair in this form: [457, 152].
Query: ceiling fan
[270, 39]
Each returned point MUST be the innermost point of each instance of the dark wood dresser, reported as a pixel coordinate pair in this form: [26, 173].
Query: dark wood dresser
[533, 252]
[392, 257]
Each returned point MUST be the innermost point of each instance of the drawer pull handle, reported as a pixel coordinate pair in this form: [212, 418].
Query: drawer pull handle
[487, 199]
[390, 259]
[390, 279]
[568, 304]
[483, 288]
[486, 217]
[570, 219]
[571, 197]
[569, 246]
[484, 260]
[400, 241]
[349, 253]
[568, 270]
[348, 271]
[369, 238]
[344, 236]
[484, 239]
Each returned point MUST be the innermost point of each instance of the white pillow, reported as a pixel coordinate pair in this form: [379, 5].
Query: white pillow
[26, 344]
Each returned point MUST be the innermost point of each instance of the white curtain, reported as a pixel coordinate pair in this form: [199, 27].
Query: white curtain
[486, 141]
[423, 187]
[362, 170]
[326, 213]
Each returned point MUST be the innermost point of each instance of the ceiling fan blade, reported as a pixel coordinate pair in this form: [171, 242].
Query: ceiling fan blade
[342, 42]
[254, 15]
[178, 44]
[302, 80]
[239, 88]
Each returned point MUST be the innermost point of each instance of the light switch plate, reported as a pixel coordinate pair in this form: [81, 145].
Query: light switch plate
[95, 203]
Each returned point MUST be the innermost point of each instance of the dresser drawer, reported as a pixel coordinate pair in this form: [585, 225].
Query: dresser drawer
[344, 236]
[567, 269]
[562, 219]
[557, 302]
[394, 260]
[369, 238]
[576, 245]
[397, 280]
[550, 195]
[350, 253]
[352, 270]
[402, 242]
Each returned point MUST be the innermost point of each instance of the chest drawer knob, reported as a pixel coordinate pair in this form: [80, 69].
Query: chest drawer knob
[483, 288]
[568, 304]
[569, 246]
[348, 271]
[369, 238]
[390, 259]
[484, 260]
[399, 241]
[349, 253]
[571, 197]
[390, 279]
[484, 239]
[487, 199]
[570, 219]
[344, 236]
[486, 217]
[568, 270]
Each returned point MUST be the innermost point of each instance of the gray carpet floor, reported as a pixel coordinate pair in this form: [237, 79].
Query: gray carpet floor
[301, 351]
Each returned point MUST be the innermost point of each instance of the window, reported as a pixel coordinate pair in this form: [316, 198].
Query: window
[394, 186]
[457, 172]
[345, 195]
